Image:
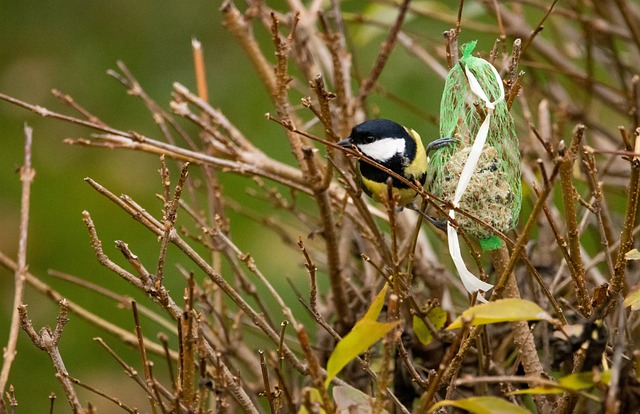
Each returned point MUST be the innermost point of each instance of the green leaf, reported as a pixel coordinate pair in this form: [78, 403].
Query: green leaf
[482, 405]
[437, 316]
[632, 255]
[503, 310]
[573, 382]
[633, 299]
[366, 332]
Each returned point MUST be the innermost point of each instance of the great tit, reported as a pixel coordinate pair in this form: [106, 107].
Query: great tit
[397, 148]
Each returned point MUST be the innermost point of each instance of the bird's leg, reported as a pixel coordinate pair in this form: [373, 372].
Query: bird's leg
[439, 224]
[440, 143]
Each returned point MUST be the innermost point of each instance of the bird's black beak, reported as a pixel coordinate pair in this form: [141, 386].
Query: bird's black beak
[345, 143]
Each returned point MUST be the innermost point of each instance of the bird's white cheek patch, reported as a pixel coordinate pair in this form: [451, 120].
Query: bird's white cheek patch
[383, 149]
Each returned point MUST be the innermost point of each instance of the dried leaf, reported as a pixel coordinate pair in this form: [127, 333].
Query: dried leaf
[351, 400]
[633, 299]
[632, 255]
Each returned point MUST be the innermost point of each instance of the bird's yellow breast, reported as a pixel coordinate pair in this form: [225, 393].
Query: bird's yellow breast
[418, 166]
[378, 191]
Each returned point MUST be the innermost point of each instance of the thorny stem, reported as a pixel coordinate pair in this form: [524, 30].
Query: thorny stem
[143, 353]
[315, 371]
[311, 269]
[573, 234]
[498, 290]
[267, 385]
[187, 364]
[523, 338]
[314, 176]
[387, 342]
[599, 206]
[448, 366]
[336, 279]
[239, 156]
[630, 218]
[234, 388]
[169, 220]
[123, 335]
[148, 221]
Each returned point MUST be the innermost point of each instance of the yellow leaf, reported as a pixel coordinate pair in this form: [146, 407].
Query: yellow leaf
[437, 316]
[572, 382]
[376, 306]
[482, 405]
[365, 333]
[503, 310]
[632, 255]
[633, 299]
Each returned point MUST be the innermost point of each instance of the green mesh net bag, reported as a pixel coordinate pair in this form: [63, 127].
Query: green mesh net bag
[493, 193]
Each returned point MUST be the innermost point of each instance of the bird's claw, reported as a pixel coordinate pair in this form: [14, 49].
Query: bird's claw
[439, 224]
[440, 143]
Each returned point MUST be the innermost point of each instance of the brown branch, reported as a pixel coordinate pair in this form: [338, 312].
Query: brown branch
[498, 291]
[188, 324]
[314, 369]
[311, 269]
[523, 337]
[630, 218]
[27, 174]
[239, 26]
[341, 65]
[170, 216]
[104, 395]
[48, 340]
[142, 216]
[599, 205]
[271, 396]
[345, 318]
[123, 335]
[146, 364]
[200, 72]
[385, 50]
[68, 100]
[573, 234]
[122, 301]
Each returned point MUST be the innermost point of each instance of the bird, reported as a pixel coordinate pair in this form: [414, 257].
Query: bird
[397, 148]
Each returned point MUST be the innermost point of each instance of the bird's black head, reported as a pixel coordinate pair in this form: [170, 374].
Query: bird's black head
[376, 129]
[380, 139]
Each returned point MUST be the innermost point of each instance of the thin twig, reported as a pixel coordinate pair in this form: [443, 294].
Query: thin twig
[48, 340]
[27, 174]
[385, 50]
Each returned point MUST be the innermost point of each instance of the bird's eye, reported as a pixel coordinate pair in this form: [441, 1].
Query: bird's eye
[369, 139]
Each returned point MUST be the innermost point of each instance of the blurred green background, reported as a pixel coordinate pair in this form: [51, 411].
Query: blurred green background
[69, 45]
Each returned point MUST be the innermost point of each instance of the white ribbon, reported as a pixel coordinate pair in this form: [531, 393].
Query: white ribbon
[469, 280]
